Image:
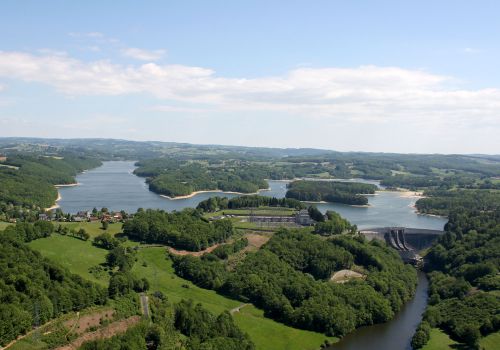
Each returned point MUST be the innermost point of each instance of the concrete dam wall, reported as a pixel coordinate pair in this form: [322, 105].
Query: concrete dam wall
[408, 241]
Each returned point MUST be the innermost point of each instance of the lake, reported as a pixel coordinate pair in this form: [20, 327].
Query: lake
[114, 186]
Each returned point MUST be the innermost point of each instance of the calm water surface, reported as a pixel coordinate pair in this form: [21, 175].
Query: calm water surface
[115, 187]
[395, 334]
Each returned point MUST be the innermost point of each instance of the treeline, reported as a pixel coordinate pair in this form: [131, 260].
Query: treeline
[182, 230]
[179, 178]
[464, 299]
[334, 225]
[442, 202]
[213, 204]
[28, 186]
[34, 290]
[330, 191]
[183, 325]
[289, 279]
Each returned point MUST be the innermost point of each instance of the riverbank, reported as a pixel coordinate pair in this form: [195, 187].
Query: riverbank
[68, 185]
[406, 193]
[191, 195]
[350, 205]
[394, 334]
[56, 205]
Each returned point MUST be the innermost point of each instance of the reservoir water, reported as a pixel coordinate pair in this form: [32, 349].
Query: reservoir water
[114, 186]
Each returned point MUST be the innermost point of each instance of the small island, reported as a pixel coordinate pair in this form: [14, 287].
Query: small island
[351, 193]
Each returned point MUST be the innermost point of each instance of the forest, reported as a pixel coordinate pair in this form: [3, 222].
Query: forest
[28, 182]
[464, 299]
[34, 290]
[182, 230]
[176, 178]
[289, 279]
[334, 225]
[214, 204]
[330, 191]
[442, 202]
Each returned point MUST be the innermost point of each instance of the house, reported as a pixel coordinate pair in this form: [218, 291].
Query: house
[303, 218]
[3, 158]
[82, 216]
[43, 217]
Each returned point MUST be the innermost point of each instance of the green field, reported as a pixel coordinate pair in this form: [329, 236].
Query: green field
[92, 228]
[4, 224]
[266, 333]
[78, 256]
[441, 341]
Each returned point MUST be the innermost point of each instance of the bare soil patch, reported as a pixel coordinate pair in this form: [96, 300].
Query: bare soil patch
[187, 252]
[83, 323]
[256, 240]
[343, 276]
[103, 333]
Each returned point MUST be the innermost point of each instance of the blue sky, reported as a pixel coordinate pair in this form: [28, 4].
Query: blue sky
[394, 76]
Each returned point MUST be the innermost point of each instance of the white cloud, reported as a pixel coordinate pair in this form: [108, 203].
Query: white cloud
[86, 34]
[363, 94]
[470, 50]
[143, 55]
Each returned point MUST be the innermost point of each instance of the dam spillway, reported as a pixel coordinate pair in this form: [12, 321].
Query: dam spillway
[406, 240]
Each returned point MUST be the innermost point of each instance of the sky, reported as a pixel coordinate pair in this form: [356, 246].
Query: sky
[376, 76]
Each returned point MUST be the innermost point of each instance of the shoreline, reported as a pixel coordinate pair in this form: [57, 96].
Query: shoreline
[350, 205]
[212, 191]
[59, 197]
[407, 193]
[56, 205]
[68, 185]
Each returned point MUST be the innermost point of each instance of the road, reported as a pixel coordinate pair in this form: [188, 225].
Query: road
[238, 308]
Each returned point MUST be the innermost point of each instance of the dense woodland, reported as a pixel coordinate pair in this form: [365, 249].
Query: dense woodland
[442, 202]
[334, 225]
[182, 230]
[464, 299]
[330, 191]
[214, 204]
[27, 182]
[289, 279]
[34, 290]
[175, 178]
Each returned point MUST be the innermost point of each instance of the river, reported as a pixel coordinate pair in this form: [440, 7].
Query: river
[114, 186]
[395, 334]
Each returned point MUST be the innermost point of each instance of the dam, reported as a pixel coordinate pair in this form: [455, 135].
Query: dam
[406, 240]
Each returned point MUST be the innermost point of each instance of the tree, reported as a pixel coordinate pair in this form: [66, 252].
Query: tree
[105, 225]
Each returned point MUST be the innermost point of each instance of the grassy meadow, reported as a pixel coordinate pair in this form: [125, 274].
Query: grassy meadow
[4, 224]
[78, 256]
[441, 341]
[73, 253]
